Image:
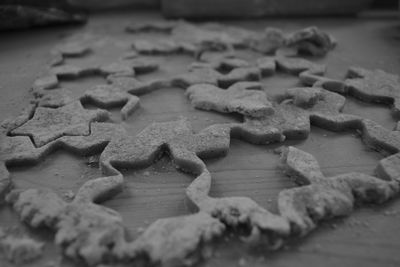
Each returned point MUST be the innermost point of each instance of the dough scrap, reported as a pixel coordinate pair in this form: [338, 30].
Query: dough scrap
[48, 124]
[311, 41]
[246, 98]
[322, 197]
[178, 241]
[269, 41]
[84, 230]
[20, 249]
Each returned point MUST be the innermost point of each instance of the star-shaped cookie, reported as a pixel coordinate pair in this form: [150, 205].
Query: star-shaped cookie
[48, 124]
[374, 86]
[246, 98]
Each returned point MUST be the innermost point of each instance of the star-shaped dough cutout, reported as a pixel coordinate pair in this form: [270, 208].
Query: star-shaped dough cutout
[246, 98]
[374, 86]
[298, 108]
[102, 95]
[301, 107]
[48, 124]
[106, 96]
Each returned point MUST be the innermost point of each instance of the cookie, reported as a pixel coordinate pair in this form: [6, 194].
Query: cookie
[296, 110]
[72, 72]
[54, 98]
[374, 86]
[229, 65]
[48, 124]
[138, 87]
[73, 49]
[11, 123]
[298, 65]
[267, 66]
[268, 41]
[142, 65]
[155, 47]
[151, 26]
[239, 75]
[245, 98]
[56, 58]
[309, 79]
[219, 37]
[389, 168]
[225, 79]
[107, 96]
[196, 76]
[162, 47]
[129, 55]
[379, 138]
[120, 68]
[103, 96]
[46, 82]
[19, 150]
[226, 62]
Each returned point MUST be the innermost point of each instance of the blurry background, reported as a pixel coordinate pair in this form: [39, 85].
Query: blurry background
[44, 12]
[290, 5]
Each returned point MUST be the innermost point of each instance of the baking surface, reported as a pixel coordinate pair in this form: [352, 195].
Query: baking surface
[369, 237]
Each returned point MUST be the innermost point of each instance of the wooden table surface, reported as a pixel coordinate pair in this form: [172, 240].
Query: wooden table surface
[369, 237]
